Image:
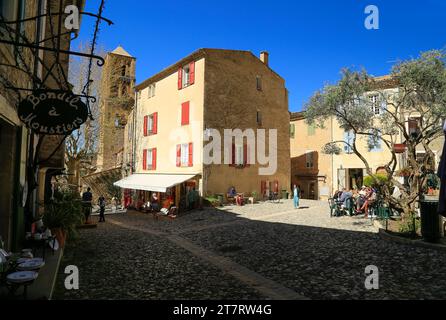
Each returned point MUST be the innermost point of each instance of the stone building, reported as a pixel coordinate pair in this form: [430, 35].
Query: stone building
[23, 195]
[311, 169]
[115, 104]
[320, 174]
[117, 98]
[177, 108]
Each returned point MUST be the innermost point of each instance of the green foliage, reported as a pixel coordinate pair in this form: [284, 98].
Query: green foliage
[410, 226]
[419, 88]
[433, 181]
[375, 180]
[64, 212]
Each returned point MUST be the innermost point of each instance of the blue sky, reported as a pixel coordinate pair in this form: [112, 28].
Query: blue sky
[308, 41]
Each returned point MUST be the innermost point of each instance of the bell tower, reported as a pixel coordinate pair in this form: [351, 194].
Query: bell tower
[116, 102]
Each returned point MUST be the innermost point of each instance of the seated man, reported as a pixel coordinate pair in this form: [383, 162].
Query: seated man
[232, 193]
[346, 195]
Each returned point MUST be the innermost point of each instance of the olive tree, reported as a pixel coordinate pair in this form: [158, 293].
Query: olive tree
[415, 87]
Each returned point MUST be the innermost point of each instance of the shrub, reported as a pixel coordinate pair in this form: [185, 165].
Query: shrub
[382, 179]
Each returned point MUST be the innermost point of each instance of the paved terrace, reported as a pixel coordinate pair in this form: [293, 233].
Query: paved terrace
[261, 251]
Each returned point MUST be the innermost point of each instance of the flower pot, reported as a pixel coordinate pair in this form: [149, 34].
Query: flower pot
[60, 236]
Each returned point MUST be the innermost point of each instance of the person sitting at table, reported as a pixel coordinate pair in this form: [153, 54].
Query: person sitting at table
[154, 204]
[231, 192]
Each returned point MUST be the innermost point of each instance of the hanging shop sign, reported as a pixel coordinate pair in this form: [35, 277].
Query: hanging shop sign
[52, 113]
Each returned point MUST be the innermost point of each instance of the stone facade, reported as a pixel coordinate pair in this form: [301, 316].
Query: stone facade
[17, 144]
[116, 102]
[345, 170]
[311, 169]
[231, 90]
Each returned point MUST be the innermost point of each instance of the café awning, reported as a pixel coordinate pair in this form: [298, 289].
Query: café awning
[152, 182]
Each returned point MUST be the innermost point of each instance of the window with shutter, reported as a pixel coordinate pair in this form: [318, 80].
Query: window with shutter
[184, 154]
[145, 130]
[191, 151]
[154, 159]
[149, 159]
[180, 78]
[144, 159]
[185, 113]
[155, 123]
[192, 73]
[178, 155]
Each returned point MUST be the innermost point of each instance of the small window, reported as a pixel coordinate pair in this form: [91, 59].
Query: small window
[292, 130]
[239, 155]
[150, 124]
[123, 71]
[259, 83]
[414, 124]
[151, 91]
[348, 139]
[375, 105]
[311, 130]
[259, 118]
[310, 159]
[184, 154]
[374, 142]
[149, 158]
[186, 76]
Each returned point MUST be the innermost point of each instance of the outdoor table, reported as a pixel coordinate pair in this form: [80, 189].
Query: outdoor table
[31, 265]
[21, 278]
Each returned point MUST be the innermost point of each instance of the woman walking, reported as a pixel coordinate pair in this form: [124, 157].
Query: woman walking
[296, 197]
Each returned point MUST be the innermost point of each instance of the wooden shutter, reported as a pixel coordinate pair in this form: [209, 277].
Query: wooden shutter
[146, 120]
[192, 73]
[232, 164]
[262, 187]
[178, 155]
[144, 159]
[276, 186]
[180, 78]
[155, 123]
[154, 159]
[191, 151]
[185, 113]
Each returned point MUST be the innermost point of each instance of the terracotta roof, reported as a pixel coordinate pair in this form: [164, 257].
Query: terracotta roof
[193, 56]
[294, 116]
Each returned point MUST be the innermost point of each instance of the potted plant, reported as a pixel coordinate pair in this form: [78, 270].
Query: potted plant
[62, 216]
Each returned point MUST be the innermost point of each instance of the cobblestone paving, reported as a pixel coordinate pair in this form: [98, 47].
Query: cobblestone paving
[117, 263]
[304, 250]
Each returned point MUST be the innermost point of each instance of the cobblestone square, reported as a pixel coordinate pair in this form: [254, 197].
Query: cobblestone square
[260, 251]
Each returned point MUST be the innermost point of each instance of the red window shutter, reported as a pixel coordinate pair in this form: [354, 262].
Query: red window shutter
[191, 151]
[144, 159]
[185, 113]
[233, 155]
[146, 119]
[154, 159]
[178, 155]
[192, 73]
[155, 123]
[180, 78]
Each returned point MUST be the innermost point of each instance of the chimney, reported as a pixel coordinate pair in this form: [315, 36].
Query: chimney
[264, 57]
